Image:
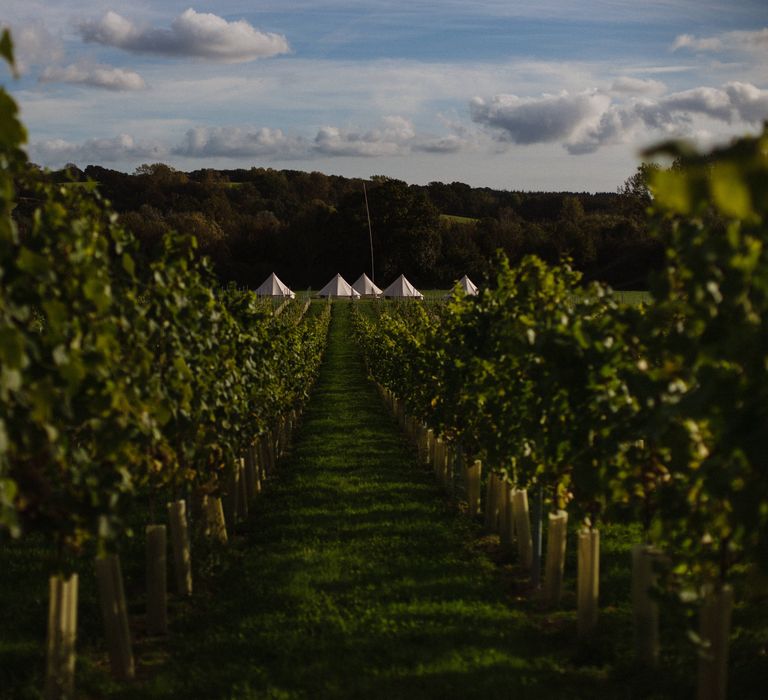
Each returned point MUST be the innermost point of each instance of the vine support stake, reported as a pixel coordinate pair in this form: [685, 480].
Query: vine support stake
[489, 504]
[645, 610]
[507, 532]
[714, 630]
[157, 580]
[242, 488]
[115, 615]
[182, 559]
[538, 515]
[473, 487]
[62, 635]
[522, 528]
[588, 580]
[555, 563]
[232, 499]
[251, 473]
[215, 524]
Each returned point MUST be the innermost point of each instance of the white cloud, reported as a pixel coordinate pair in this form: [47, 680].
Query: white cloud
[195, 34]
[749, 102]
[34, 45]
[708, 101]
[752, 40]
[587, 121]
[688, 41]
[237, 142]
[637, 86]
[394, 136]
[529, 120]
[674, 114]
[124, 147]
[442, 144]
[100, 76]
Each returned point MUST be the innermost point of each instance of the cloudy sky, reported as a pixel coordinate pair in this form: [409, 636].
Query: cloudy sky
[551, 94]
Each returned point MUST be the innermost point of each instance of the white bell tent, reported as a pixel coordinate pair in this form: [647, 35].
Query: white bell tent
[365, 287]
[273, 287]
[468, 286]
[338, 287]
[401, 288]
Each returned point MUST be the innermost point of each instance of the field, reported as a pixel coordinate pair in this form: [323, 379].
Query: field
[452, 218]
[355, 576]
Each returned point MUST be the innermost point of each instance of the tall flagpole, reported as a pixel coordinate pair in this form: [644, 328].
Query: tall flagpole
[370, 232]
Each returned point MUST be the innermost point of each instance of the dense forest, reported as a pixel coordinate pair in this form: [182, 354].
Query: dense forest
[308, 226]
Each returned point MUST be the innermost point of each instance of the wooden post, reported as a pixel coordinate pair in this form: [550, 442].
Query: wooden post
[283, 437]
[488, 513]
[258, 472]
[473, 474]
[715, 630]
[231, 500]
[264, 458]
[430, 446]
[272, 450]
[507, 531]
[645, 610]
[536, 532]
[249, 474]
[115, 615]
[157, 580]
[288, 430]
[242, 488]
[215, 524]
[62, 636]
[423, 444]
[588, 580]
[498, 499]
[182, 559]
[555, 561]
[522, 527]
[438, 456]
[450, 461]
[275, 439]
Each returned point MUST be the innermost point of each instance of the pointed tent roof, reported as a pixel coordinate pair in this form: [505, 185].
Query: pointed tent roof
[273, 287]
[338, 287]
[401, 287]
[365, 287]
[468, 286]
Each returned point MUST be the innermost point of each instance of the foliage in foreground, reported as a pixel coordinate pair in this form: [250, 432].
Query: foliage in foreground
[122, 375]
[659, 411]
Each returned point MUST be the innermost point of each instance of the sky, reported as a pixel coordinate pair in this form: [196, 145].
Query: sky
[545, 95]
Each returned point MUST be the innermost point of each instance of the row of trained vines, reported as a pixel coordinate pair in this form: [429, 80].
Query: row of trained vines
[125, 382]
[606, 412]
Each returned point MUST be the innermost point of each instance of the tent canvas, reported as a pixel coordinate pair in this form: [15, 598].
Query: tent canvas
[402, 288]
[273, 287]
[468, 286]
[338, 287]
[365, 287]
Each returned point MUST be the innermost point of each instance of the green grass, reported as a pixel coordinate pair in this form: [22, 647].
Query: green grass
[453, 218]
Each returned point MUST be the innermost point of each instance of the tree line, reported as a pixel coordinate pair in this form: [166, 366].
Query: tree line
[306, 226]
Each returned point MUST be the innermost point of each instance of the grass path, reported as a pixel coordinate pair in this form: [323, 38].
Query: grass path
[355, 579]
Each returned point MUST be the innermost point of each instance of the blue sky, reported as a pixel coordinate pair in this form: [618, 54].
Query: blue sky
[549, 95]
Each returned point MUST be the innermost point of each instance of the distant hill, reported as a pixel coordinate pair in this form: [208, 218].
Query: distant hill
[306, 226]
